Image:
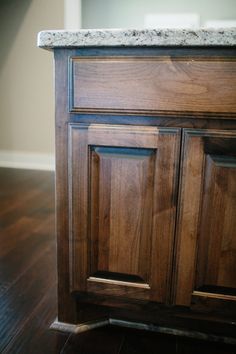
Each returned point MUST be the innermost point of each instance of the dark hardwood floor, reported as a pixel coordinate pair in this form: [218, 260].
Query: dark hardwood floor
[28, 282]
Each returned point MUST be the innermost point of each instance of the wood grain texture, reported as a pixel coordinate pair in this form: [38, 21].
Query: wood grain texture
[206, 230]
[156, 85]
[66, 305]
[123, 289]
[123, 210]
[28, 301]
[132, 199]
[216, 262]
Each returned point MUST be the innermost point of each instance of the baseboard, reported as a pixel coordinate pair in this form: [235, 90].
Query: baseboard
[173, 331]
[26, 160]
[87, 326]
[78, 328]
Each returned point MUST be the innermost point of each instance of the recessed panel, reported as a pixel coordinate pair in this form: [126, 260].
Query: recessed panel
[122, 182]
[153, 84]
[217, 244]
[206, 233]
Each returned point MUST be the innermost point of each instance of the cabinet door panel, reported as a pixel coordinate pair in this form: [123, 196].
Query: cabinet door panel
[122, 187]
[207, 229]
[217, 243]
[122, 209]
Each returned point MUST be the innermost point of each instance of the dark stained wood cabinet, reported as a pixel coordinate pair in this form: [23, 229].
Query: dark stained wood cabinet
[146, 186]
[152, 84]
[206, 263]
[122, 195]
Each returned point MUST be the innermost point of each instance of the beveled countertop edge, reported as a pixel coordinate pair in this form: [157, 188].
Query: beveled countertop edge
[50, 39]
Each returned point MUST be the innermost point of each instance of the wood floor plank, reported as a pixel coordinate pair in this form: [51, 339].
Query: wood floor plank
[10, 238]
[18, 302]
[35, 337]
[31, 205]
[24, 255]
[13, 235]
[32, 193]
[105, 340]
[27, 263]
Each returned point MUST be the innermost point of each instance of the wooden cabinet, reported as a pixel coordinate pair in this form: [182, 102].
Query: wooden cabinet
[123, 189]
[206, 263]
[146, 186]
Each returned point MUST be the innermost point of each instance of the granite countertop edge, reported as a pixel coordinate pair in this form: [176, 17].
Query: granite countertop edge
[136, 37]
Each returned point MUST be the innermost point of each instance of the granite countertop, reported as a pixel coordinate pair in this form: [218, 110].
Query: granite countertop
[137, 37]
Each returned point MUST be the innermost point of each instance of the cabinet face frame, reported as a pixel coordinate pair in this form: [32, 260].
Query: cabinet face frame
[150, 149]
[208, 160]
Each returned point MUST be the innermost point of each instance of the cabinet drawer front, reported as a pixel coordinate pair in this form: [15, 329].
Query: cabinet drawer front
[122, 187]
[153, 85]
[207, 225]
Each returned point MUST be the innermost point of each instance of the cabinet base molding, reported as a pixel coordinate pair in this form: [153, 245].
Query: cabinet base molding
[78, 328]
[172, 331]
[87, 326]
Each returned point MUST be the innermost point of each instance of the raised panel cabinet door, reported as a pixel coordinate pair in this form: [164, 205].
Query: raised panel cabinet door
[122, 193]
[206, 253]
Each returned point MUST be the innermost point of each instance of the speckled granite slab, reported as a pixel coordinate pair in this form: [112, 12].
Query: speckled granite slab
[142, 37]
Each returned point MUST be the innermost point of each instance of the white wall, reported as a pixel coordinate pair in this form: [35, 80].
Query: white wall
[130, 13]
[72, 14]
[26, 83]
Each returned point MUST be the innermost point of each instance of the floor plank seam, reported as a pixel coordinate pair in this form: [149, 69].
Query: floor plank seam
[121, 345]
[64, 346]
